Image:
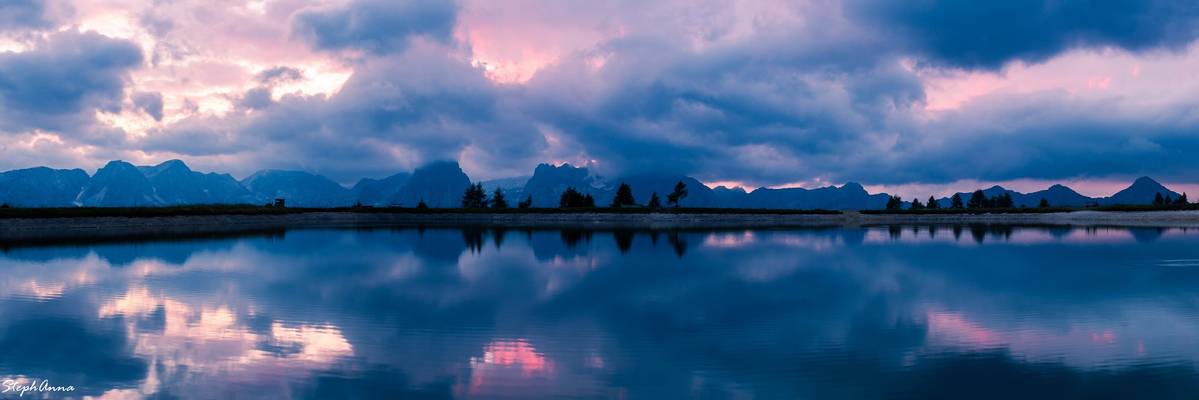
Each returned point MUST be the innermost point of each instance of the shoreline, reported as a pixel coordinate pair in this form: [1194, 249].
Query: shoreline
[21, 229]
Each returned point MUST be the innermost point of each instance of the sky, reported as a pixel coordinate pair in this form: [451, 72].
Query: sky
[908, 96]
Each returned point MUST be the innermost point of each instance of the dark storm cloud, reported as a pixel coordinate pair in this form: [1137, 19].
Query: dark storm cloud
[376, 26]
[661, 107]
[393, 113]
[1045, 136]
[988, 34]
[797, 101]
[58, 85]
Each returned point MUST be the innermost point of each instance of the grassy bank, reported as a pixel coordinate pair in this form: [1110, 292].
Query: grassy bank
[200, 210]
[1032, 210]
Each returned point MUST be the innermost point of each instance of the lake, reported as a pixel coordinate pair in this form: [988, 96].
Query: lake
[878, 312]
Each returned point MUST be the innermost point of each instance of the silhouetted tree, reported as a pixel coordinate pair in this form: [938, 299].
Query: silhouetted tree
[894, 203]
[1182, 200]
[474, 197]
[526, 203]
[624, 196]
[916, 205]
[5, 205]
[679, 193]
[1044, 203]
[956, 201]
[932, 203]
[653, 201]
[571, 198]
[1169, 200]
[588, 201]
[977, 200]
[1004, 200]
[498, 200]
[1158, 200]
[422, 205]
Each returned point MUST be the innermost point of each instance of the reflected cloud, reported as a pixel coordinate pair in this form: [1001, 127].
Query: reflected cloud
[804, 313]
[211, 339]
[504, 360]
[728, 240]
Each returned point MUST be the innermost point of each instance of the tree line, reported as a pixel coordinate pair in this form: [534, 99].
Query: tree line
[980, 200]
[475, 197]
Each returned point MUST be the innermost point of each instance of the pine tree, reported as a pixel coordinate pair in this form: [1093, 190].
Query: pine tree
[1044, 203]
[894, 203]
[932, 203]
[956, 201]
[498, 200]
[1158, 200]
[1004, 200]
[679, 193]
[916, 205]
[526, 203]
[474, 197]
[624, 196]
[570, 198]
[422, 205]
[1182, 200]
[653, 201]
[977, 200]
[588, 201]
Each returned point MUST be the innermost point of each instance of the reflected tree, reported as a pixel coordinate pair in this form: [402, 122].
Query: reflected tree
[624, 239]
[572, 237]
[497, 235]
[677, 243]
[473, 237]
[978, 232]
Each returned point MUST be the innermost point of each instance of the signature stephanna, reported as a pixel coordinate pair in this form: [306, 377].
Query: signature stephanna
[23, 386]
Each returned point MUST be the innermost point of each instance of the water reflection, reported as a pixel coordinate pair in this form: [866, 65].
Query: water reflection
[888, 311]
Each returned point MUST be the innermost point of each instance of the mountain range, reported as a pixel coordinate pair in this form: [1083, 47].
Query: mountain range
[441, 184]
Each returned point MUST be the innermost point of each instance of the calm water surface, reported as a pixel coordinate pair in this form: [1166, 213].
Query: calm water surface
[890, 312]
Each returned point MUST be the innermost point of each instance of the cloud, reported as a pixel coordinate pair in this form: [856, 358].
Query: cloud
[394, 113]
[256, 98]
[1049, 135]
[758, 92]
[16, 15]
[376, 26]
[757, 106]
[989, 34]
[60, 84]
[150, 103]
[279, 74]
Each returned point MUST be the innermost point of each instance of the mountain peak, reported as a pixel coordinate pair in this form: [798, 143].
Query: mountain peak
[1141, 191]
[174, 166]
[854, 187]
[1145, 180]
[173, 163]
[117, 164]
